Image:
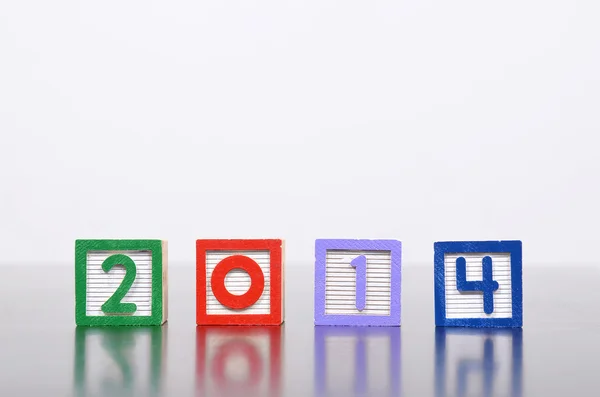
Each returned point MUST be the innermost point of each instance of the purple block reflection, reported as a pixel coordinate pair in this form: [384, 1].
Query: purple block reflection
[328, 340]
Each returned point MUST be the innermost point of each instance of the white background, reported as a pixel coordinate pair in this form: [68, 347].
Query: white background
[300, 119]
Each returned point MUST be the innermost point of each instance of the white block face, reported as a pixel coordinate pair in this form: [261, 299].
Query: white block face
[340, 283]
[100, 286]
[470, 304]
[343, 355]
[467, 352]
[243, 363]
[237, 282]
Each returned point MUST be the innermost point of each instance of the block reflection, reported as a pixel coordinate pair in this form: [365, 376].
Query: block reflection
[478, 362]
[119, 361]
[238, 361]
[357, 361]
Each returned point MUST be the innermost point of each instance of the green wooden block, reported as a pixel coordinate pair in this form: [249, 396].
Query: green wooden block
[120, 282]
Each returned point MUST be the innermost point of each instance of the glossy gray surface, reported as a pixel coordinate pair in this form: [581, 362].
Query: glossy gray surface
[555, 354]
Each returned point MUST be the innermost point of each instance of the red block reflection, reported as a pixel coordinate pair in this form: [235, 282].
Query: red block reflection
[238, 361]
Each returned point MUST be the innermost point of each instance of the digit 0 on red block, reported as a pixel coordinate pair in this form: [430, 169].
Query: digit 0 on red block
[239, 282]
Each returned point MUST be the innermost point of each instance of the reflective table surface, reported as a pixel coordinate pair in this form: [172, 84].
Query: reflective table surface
[555, 354]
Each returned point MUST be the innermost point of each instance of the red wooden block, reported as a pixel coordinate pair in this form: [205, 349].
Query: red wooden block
[239, 282]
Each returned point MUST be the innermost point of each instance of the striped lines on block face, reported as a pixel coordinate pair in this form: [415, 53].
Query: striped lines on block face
[237, 282]
[461, 304]
[100, 286]
[340, 282]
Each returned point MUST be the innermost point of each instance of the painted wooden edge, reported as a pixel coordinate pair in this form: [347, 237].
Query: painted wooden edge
[514, 247]
[82, 246]
[165, 281]
[321, 248]
[275, 248]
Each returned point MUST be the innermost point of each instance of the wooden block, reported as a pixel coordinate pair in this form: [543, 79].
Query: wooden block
[478, 284]
[358, 282]
[238, 361]
[239, 282]
[120, 282]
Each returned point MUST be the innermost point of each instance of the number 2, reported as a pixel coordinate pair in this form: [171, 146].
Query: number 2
[114, 304]
[118, 345]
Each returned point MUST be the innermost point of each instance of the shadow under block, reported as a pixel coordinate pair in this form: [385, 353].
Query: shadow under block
[120, 282]
[478, 284]
[239, 282]
[358, 282]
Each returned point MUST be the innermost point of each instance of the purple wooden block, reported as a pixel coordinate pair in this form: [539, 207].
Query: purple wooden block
[361, 312]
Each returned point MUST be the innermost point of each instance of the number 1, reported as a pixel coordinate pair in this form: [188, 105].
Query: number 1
[360, 264]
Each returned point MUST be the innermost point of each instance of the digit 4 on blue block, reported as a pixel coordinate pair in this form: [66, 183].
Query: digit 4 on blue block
[478, 284]
[487, 285]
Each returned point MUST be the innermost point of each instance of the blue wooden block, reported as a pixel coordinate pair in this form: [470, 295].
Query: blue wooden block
[478, 284]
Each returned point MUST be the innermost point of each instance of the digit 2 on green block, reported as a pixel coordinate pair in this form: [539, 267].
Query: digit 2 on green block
[120, 282]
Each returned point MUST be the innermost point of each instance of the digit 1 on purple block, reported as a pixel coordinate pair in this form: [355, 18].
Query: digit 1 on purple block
[360, 264]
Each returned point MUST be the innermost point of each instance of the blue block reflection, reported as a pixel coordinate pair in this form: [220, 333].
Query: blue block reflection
[478, 361]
